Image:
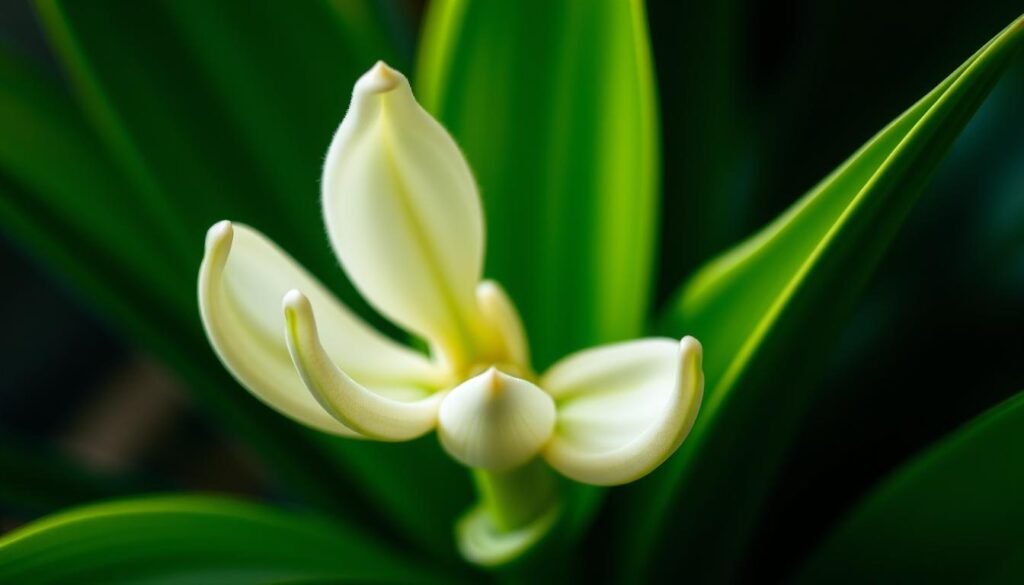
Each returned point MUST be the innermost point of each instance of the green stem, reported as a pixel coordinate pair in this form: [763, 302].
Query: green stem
[517, 497]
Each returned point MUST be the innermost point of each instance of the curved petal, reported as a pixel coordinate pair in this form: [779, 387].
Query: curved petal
[385, 413]
[481, 542]
[495, 421]
[498, 311]
[403, 212]
[241, 280]
[624, 408]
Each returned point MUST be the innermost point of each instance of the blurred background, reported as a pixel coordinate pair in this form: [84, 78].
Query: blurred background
[937, 338]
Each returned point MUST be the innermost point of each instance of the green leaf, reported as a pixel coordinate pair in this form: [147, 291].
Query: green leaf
[554, 106]
[952, 515]
[766, 312]
[85, 222]
[193, 539]
[210, 111]
[704, 131]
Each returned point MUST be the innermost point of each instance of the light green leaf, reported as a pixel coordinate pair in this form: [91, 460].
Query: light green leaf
[193, 539]
[952, 515]
[554, 106]
[766, 311]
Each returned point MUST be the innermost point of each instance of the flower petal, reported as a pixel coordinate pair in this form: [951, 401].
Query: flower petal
[504, 321]
[495, 421]
[483, 543]
[241, 281]
[403, 212]
[623, 408]
[386, 413]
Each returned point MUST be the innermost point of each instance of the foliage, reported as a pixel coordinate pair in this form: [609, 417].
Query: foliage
[223, 110]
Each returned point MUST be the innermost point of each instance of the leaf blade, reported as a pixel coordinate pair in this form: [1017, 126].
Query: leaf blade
[954, 512]
[166, 126]
[566, 156]
[809, 282]
[182, 539]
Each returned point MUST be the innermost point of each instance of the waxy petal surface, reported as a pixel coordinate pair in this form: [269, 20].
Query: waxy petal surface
[388, 413]
[241, 281]
[403, 213]
[495, 421]
[623, 408]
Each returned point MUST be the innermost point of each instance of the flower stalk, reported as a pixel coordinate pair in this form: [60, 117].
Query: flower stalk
[517, 497]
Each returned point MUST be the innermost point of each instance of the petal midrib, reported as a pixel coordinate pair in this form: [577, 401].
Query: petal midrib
[461, 328]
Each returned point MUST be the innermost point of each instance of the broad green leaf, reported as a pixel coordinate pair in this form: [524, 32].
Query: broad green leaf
[765, 313]
[554, 106]
[194, 539]
[952, 515]
[224, 110]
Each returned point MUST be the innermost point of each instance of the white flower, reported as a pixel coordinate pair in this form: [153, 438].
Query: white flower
[404, 217]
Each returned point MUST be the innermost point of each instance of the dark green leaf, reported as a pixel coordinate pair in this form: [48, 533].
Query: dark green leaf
[765, 312]
[952, 515]
[83, 222]
[210, 110]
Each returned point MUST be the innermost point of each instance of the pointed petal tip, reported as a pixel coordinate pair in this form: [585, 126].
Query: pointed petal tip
[219, 234]
[690, 348]
[649, 422]
[379, 79]
[294, 300]
[350, 403]
[495, 421]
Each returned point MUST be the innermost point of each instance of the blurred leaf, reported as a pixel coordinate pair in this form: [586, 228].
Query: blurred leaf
[704, 131]
[206, 119]
[219, 110]
[768, 308]
[952, 515]
[554, 106]
[192, 539]
[53, 151]
[83, 222]
[39, 481]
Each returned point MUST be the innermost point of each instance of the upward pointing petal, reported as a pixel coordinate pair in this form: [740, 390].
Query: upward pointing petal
[403, 212]
[624, 408]
[241, 280]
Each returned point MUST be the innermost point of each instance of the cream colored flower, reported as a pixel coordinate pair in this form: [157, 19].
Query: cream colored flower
[404, 217]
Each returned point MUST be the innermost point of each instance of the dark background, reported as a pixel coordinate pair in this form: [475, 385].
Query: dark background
[791, 89]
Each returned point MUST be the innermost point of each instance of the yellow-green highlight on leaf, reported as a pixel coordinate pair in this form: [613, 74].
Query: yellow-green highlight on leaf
[765, 312]
[555, 108]
[194, 539]
[554, 105]
[952, 515]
